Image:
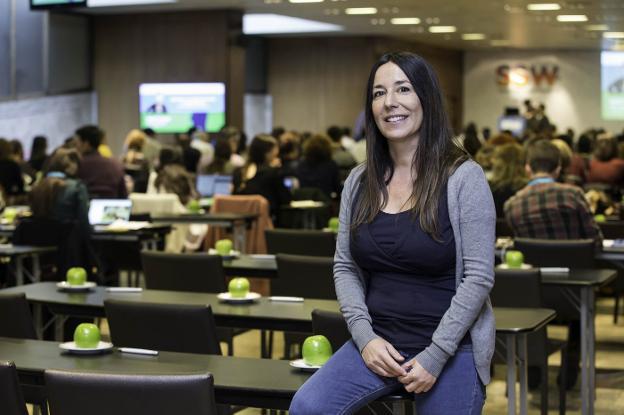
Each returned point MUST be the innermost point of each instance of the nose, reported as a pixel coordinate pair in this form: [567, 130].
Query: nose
[390, 100]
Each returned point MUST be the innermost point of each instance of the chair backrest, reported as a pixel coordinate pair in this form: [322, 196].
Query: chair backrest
[331, 325]
[183, 272]
[155, 204]
[304, 276]
[517, 288]
[11, 399]
[75, 393]
[301, 242]
[165, 327]
[573, 253]
[15, 318]
[612, 230]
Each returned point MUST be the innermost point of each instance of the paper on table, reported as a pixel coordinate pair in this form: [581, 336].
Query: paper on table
[306, 204]
[555, 270]
[287, 299]
[124, 289]
[262, 256]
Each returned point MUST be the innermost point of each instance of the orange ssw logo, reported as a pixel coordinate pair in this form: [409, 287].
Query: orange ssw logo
[521, 75]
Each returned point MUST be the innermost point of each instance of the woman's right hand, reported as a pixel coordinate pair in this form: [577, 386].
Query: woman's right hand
[382, 358]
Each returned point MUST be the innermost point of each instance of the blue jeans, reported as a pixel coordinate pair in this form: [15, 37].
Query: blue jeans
[344, 385]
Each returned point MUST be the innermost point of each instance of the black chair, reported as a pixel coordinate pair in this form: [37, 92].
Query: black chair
[300, 242]
[15, 318]
[614, 230]
[523, 288]
[188, 272]
[165, 327]
[11, 399]
[333, 326]
[304, 276]
[75, 393]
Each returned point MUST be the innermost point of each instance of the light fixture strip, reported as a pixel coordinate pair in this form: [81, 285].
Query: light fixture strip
[542, 7]
[361, 10]
[405, 20]
[568, 18]
[442, 29]
[613, 35]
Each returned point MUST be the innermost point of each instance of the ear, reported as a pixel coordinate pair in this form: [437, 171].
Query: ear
[558, 171]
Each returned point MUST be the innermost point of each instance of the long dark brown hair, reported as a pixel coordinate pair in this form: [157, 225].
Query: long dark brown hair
[436, 156]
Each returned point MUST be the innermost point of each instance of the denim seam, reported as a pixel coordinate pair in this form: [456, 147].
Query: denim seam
[363, 396]
[475, 394]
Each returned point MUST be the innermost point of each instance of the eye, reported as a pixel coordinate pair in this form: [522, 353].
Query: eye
[404, 89]
[378, 93]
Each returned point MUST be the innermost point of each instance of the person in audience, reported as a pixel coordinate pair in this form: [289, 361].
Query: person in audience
[546, 209]
[222, 163]
[17, 152]
[190, 155]
[11, 178]
[508, 174]
[173, 178]
[167, 156]
[484, 158]
[38, 153]
[261, 174]
[341, 157]
[134, 161]
[414, 260]
[104, 177]
[152, 147]
[104, 149]
[605, 167]
[472, 144]
[289, 154]
[237, 144]
[317, 169]
[200, 141]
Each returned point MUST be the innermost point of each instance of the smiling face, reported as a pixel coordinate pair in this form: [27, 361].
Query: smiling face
[395, 104]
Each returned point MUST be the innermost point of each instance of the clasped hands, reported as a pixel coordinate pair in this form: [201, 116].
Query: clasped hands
[383, 359]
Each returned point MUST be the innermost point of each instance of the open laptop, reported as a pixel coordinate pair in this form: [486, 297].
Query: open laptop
[106, 211]
[209, 185]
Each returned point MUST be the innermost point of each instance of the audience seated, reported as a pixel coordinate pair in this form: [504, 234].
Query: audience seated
[152, 147]
[508, 174]
[318, 169]
[10, 174]
[222, 163]
[38, 153]
[604, 166]
[134, 161]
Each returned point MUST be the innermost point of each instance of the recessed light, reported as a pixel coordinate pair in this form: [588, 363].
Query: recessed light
[571, 18]
[473, 36]
[405, 20]
[442, 29]
[361, 10]
[305, 1]
[256, 24]
[543, 6]
[613, 35]
[597, 27]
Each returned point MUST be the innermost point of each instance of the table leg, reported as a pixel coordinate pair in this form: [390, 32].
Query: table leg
[240, 236]
[588, 357]
[36, 268]
[511, 374]
[38, 320]
[59, 327]
[19, 270]
[522, 369]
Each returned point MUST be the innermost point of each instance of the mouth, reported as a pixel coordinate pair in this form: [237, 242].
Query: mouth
[395, 118]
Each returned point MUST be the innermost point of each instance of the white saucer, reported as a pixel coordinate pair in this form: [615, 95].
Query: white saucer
[523, 266]
[232, 254]
[71, 347]
[249, 298]
[302, 365]
[65, 286]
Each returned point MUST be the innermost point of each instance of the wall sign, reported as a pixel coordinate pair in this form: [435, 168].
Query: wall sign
[527, 76]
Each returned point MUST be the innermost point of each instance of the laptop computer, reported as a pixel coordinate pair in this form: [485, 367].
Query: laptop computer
[106, 211]
[209, 185]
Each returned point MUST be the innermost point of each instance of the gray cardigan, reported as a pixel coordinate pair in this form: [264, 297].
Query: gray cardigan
[473, 218]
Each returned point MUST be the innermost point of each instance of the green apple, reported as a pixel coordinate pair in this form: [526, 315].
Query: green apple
[76, 276]
[238, 287]
[333, 224]
[223, 246]
[87, 336]
[600, 218]
[193, 206]
[316, 350]
[9, 214]
[514, 259]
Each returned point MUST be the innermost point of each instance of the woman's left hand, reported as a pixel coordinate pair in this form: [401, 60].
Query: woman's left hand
[417, 380]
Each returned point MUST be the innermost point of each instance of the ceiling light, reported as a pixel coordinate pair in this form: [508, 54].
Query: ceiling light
[534, 7]
[261, 23]
[473, 36]
[571, 18]
[361, 10]
[442, 29]
[597, 27]
[613, 35]
[405, 20]
[305, 1]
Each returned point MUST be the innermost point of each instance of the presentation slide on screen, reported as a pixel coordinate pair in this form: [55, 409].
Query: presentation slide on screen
[174, 108]
[612, 85]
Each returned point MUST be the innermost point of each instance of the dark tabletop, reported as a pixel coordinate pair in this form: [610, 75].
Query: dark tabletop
[521, 320]
[224, 218]
[13, 250]
[580, 277]
[248, 266]
[242, 381]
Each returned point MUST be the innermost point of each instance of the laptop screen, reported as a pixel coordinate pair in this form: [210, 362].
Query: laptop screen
[106, 211]
[209, 185]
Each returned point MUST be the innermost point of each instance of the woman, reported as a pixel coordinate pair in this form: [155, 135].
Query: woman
[605, 167]
[11, 179]
[414, 259]
[261, 174]
[508, 175]
[222, 159]
[38, 152]
[135, 164]
[318, 169]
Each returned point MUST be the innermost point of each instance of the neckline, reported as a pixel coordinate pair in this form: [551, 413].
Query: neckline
[393, 214]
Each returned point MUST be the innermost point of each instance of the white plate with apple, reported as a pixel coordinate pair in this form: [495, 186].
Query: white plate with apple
[523, 266]
[302, 365]
[232, 254]
[71, 347]
[229, 298]
[86, 286]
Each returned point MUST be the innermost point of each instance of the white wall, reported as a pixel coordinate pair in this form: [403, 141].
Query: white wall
[573, 100]
[56, 117]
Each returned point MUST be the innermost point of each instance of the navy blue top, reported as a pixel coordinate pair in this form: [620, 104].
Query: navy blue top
[411, 276]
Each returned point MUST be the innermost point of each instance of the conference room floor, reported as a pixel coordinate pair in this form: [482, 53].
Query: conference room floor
[609, 363]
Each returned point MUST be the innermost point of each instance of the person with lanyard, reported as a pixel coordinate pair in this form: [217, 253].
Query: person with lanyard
[414, 260]
[547, 209]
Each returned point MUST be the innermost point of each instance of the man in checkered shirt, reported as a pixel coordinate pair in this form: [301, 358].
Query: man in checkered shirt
[546, 209]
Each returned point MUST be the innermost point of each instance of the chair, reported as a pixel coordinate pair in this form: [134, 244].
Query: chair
[165, 327]
[614, 230]
[75, 393]
[503, 228]
[188, 272]
[522, 288]
[304, 276]
[301, 242]
[11, 399]
[333, 326]
[15, 318]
